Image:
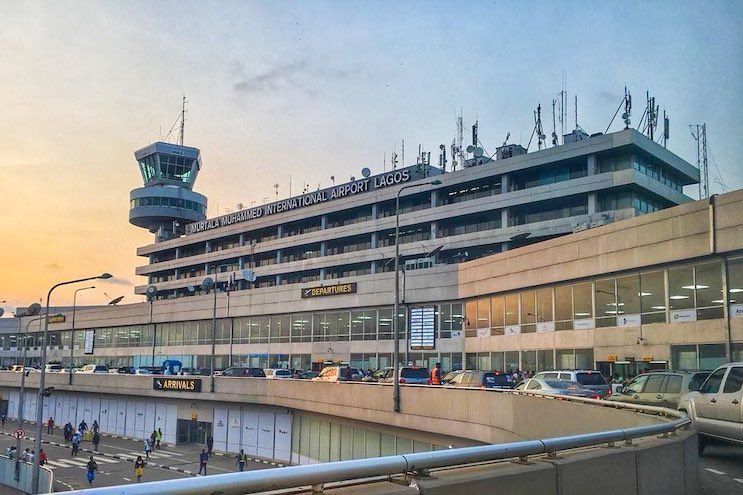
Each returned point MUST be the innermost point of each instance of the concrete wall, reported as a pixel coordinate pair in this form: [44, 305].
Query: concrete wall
[25, 475]
[479, 415]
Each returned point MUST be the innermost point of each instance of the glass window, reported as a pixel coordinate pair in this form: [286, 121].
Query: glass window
[565, 359]
[385, 324]
[684, 357]
[635, 386]
[711, 356]
[708, 284]
[544, 305]
[606, 303]
[496, 314]
[528, 313]
[471, 314]
[735, 281]
[673, 385]
[564, 307]
[628, 295]
[545, 360]
[584, 359]
[712, 385]
[483, 313]
[652, 295]
[528, 360]
[512, 309]
[512, 361]
[681, 288]
[583, 301]
[653, 385]
[734, 381]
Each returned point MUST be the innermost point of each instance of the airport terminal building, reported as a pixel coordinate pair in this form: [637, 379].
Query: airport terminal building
[586, 254]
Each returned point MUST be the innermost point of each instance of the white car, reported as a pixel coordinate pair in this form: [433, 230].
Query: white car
[716, 409]
[277, 373]
[94, 368]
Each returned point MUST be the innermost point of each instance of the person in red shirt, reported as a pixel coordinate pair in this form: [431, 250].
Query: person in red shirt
[50, 425]
[42, 457]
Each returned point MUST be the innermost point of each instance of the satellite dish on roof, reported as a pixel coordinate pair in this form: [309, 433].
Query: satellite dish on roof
[115, 301]
[365, 172]
[2, 311]
[478, 152]
[249, 275]
[191, 288]
[34, 309]
[470, 148]
[207, 284]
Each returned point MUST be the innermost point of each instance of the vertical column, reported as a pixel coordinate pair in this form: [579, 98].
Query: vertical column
[504, 183]
[241, 241]
[177, 253]
[208, 247]
[592, 202]
[591, 165]
[324, 248]
[375, 211]
[322, 273]
[323, 222]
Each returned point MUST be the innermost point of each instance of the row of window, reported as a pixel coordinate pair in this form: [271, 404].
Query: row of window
[168, 203]
[683, 293]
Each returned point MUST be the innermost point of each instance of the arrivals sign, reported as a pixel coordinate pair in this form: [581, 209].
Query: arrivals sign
[176, 384]
[56, 318]
[329, 290]
[289, 204]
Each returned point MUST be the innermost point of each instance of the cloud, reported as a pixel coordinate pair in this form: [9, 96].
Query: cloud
[294, 75]
[53, 266]
[120, 281]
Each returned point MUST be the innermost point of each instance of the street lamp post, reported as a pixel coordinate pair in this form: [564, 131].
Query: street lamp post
[22, 393]
[395, 323]
[72, 333]
[40, 401]
[214, 320]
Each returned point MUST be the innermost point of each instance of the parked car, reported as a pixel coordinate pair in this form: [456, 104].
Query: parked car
[306, 375]
[374, 377]
[660, 388]
[591, 379]
[716, 409]
[53, 368]
[482, 379]
[277, 373]
[412, 375]
[142, 371]
[557, 387]
[338, 374]
[450, 376]
[94, 368]
[244, 371]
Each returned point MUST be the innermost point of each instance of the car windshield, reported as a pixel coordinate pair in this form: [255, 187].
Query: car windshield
[697, 380]
[283, 373]
[414, 373]
[493, 379]
[590, 378]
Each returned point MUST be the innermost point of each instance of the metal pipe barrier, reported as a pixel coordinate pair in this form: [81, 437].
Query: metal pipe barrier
[314, 475]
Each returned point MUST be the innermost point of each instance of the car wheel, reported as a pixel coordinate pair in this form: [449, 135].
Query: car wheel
[701, 444]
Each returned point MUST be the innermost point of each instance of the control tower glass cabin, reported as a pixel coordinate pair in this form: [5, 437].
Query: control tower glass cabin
[167, 203]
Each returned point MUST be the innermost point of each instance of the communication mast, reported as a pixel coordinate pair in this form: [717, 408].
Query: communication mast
[699, 133]
[457, 150]
[183, 121]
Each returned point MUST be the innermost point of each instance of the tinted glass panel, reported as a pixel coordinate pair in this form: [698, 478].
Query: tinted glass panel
[653, 385]
[734, 380]
[590, 378]
[712, 385]
[673, 385]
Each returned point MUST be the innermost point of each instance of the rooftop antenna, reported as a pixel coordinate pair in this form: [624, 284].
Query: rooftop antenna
[460, 142]
[699, 133]
[555, 141]
[576, 113]
[474, 134]
[538, 126]
[627, 102]
[332, 179]
[442, 158]
[183, 120]
[666, 128]
[403, 153]
[276, 188]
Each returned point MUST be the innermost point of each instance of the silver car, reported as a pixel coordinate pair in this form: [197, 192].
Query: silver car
[557, 387]
[716, 409]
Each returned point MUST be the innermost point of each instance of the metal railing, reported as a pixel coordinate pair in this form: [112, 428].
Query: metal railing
[316, 475]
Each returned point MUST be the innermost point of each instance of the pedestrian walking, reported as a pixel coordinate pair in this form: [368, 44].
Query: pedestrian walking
[139, 468]
[24, 456]
[49, 425]
[67, 431]
[95, 426]
[436, 375]
[76, 443]
[82, 426]
[96, 440]
[203, 459]
[92, 468]
[242, 458]
[42, 457]
[2, 418]
[209, 444]
[153, 437]
[158, 438]
[147, 448]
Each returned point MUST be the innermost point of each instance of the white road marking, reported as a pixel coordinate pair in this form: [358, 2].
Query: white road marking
[739, 480]
[106, 461]
[714, 471]
[70, 462]
[127, 479]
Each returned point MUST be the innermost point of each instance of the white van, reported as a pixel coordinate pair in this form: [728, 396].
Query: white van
[94, 368]
[716, 409]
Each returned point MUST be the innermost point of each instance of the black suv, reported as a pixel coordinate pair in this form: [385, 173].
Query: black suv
[244, 371]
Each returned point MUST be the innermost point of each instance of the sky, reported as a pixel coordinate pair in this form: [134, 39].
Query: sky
[296, 92]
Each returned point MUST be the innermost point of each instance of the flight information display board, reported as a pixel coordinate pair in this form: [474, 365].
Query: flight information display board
[423, 328]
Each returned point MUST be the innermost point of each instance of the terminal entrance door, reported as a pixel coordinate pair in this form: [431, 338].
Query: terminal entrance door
[192, 431]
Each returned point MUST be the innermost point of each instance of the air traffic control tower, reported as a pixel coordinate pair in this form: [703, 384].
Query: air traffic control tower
[167, 203]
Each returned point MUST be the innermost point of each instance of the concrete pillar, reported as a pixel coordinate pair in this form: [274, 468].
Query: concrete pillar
[323, 248]
[278, 255]
[434, 229]
[323, 222]
[434, 198]
[591, 164]
[592, 203]
[504, 218]
[278, 279]
[241, 262]
[280, 231]
[177, 274]
[241, 242]
[504, 183]
[322, 273]
[177, 253]
[375, 211]
[373, 240]
[208, 247]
